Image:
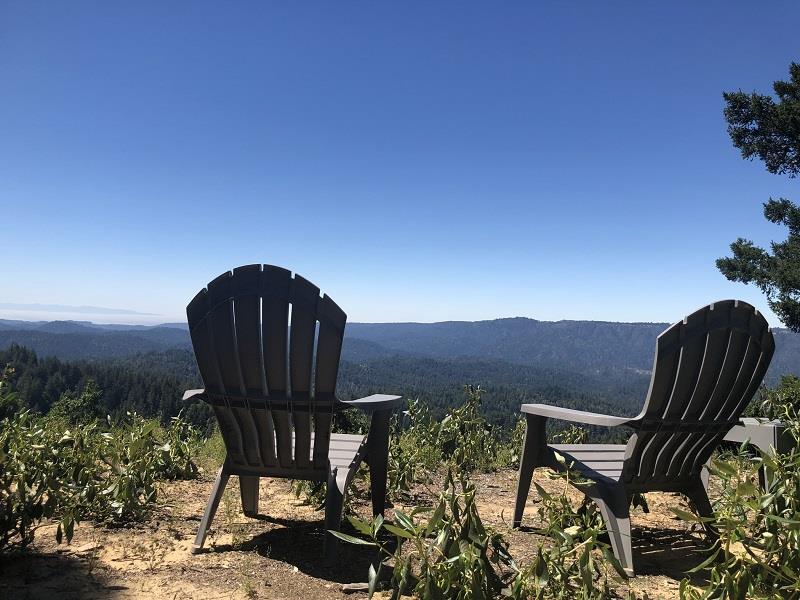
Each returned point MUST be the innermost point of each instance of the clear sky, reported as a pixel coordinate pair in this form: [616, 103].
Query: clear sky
[419, 161]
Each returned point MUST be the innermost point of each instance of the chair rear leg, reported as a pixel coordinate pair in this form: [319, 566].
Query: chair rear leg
[334, 505]
[248, 487]
[614, 505]
[698, 496]
[211, 509]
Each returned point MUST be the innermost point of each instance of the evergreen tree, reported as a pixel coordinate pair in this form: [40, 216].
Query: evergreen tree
[768, 129]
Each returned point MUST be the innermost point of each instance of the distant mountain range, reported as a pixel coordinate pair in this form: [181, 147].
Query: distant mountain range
[583, 347]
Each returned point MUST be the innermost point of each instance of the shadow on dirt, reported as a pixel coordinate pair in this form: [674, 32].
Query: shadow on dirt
[30, 575]
[299, 543]
[668, 552]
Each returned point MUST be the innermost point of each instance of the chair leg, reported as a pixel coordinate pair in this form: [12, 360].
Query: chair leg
[334, 505]
[614, 506]
[698, 496]
[211, 509]
[248, 487]
[704, 475]
[378, 460]
[531, 449]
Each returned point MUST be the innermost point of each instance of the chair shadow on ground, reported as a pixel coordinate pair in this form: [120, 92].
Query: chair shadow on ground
[300, 542]
[29, 575]
[669, 552]
[659, 551]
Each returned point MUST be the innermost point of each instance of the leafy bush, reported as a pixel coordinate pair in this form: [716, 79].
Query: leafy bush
[10, 402]
[578, 565]
[775, 402]
[48, 470]
[463, 439]
[447, 552]
[79, 408]
[757, 553]
[452, 554]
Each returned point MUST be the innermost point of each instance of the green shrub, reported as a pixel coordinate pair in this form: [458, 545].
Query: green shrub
[447, 552]
[578, 564]
[85, 472]
[757, 554]
[10, 402]
[79, 409]
[419, 443]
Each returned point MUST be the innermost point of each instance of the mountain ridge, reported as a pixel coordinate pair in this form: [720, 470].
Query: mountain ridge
[587, 347]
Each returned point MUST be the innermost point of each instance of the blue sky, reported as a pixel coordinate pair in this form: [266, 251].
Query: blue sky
[418, 161]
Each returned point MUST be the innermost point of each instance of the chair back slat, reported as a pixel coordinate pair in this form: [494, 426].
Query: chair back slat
[247, 320]
[254, 331]
[305, 297]
[706, 370]
[222, 296]
[329, 348]
[275, 283]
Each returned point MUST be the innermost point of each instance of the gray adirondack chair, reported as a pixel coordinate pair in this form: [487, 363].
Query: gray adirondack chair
[706, 370]
[256, 332]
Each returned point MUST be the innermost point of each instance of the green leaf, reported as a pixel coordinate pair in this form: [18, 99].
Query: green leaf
[404, 520]
[351, 539]
[686, 516]
[372, 579]
[747, 488]
[360, 526]
[541, 491]
[706, 562]
[436, 518]
[614, 562]
[725, 468]
[399, 532]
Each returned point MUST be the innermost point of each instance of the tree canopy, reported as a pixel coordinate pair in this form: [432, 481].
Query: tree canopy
[761, 126]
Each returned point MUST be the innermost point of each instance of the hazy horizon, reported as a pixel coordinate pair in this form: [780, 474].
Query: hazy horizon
[154, 320]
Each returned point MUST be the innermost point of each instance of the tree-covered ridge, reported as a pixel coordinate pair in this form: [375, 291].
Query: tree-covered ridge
[133, 384]
[576, 348]
[152, 384]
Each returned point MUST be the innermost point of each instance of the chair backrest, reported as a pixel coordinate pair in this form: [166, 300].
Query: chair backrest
[707, 368]
[255, 332]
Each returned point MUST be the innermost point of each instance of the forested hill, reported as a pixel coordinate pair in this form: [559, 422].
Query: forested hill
[588, 347]
[581, 347]
[79, 340]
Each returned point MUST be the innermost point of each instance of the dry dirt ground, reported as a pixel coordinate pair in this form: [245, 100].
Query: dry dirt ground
[278, 555]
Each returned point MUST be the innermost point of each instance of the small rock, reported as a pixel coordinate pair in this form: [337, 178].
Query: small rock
[352, 588]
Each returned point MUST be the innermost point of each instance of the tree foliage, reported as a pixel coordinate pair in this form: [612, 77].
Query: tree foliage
[761, 127]
[768, 129]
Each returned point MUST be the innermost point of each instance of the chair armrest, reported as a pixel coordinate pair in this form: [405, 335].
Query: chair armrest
[576, 416]
[374, 403]
[193, 394]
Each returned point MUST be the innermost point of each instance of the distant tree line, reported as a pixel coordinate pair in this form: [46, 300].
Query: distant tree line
[152, 385]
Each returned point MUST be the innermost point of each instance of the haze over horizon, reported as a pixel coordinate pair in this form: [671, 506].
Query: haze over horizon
[418, 163]
[126, 317]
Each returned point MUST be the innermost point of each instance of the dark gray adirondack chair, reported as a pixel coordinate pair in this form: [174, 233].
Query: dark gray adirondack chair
[706, 370]
[255, 333]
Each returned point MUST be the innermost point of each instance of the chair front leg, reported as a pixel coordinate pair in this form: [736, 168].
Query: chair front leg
[211, 509]
[378, 459]
[533, 449]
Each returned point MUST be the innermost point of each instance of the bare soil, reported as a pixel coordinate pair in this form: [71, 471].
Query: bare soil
[278, 554]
